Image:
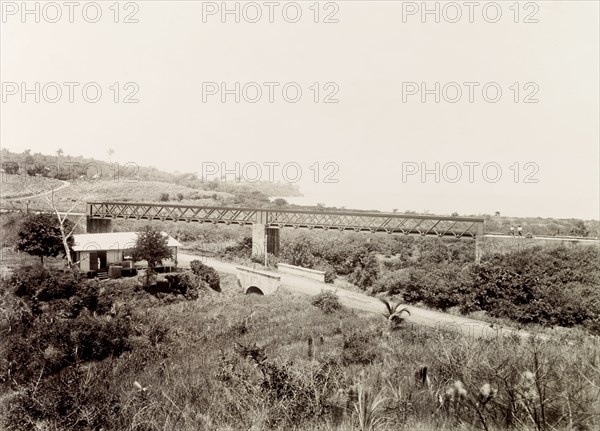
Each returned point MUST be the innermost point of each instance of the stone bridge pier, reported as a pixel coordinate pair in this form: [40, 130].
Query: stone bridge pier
[94, 225]
[264, 237]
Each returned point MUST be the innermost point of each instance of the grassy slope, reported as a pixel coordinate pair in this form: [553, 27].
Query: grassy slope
[135, 191]
[14, 186]
[202, 382]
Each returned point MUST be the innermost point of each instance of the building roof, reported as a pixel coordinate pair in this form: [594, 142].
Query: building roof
[112, 241]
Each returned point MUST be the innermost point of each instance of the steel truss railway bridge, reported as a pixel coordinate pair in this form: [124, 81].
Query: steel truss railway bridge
[266, 222]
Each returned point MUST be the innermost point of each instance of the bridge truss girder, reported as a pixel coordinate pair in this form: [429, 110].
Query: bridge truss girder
[357, 221]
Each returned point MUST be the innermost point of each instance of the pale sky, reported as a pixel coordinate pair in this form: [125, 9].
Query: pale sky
[371, 134]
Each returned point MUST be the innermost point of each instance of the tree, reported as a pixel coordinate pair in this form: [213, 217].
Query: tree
[579, 229]
[280, 202]
[28, 158]
[151, 246]
[65, 226]
[41, 235]
[110, 154]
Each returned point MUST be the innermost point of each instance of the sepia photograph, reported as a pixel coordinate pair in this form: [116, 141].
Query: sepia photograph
[310, 215]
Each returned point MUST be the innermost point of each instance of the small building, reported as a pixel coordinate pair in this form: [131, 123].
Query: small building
[95, 252]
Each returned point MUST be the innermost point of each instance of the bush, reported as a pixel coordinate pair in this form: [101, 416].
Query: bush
[360, 347]
[207, 274]
[186, 283]
[366, 271]
[241, 250]
[164, 197]
[45, 284]
[330, 274]
[327, 301]
[547, 287]
[393, 283]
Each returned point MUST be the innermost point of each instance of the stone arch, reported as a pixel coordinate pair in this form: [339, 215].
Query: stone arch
[254, 290]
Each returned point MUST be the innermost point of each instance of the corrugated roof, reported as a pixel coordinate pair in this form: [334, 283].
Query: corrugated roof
[112, 241]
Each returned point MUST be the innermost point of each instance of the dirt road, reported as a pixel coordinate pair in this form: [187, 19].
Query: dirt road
[427, 318]
[64, 184]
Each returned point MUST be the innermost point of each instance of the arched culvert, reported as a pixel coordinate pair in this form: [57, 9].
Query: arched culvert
[255, 290]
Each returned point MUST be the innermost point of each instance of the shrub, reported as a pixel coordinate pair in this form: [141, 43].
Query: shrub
[327, 301]
[366, 271]
[97, 339]
[330, 274]
[164, 197]
[299, 253]
[241, 250]
[392, 282]
[45, 284]
[360, 347]
[186, 283]
[207, 274]
[28, 280]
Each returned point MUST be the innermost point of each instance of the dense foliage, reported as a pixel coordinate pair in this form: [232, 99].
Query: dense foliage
[61, 335]
[207, 274]
[40, 235]
[544, 286]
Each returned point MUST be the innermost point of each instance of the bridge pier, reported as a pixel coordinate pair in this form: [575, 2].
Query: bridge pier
[264, 237]
[94, 225]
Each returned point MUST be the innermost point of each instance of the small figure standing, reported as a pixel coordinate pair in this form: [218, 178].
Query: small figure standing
[512, 231]
[520, 230]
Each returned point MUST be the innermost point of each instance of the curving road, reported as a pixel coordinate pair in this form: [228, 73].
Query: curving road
[64, 185]
[359, 301]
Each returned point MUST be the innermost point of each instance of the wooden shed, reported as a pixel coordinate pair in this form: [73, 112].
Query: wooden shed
[95, 252]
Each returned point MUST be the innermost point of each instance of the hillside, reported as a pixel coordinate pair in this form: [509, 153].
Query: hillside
[90, 179]
[25, 171]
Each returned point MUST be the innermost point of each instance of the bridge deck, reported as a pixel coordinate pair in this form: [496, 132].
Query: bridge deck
[273, 217]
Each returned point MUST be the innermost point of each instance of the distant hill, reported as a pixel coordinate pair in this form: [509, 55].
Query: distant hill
[130, 182]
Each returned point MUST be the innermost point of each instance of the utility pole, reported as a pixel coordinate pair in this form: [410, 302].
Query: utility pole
[266, 248]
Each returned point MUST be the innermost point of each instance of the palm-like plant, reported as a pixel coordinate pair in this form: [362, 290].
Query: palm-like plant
[368, 409]
[394, 312]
